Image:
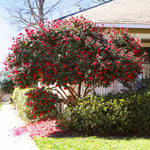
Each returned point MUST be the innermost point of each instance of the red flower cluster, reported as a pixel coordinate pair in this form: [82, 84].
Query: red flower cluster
[41, 103]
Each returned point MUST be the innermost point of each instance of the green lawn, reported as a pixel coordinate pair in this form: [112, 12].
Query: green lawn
[1, 104]
[92, 143]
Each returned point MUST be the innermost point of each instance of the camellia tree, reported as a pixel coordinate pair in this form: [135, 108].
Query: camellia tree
[72, 54]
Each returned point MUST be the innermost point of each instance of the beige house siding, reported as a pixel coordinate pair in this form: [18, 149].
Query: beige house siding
[120, 12]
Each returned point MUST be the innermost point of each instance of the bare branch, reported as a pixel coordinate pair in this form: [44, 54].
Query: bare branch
[79, 89]
[63, 92]
[94, 1]
[32, 11]
[52, 7]
[72, 90]
[85, 91]
[98, 1]
[19, 17]
[37, 4]
[78, 5]
[58, 92]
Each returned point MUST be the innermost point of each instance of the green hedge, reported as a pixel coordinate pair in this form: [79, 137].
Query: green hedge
[111, 115]
[19, 99]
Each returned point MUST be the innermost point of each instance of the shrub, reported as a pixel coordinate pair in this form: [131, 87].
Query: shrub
[128, 115]
[143, 85]
[35, 103]
[41, 103]
[15, 94]
[20, 99]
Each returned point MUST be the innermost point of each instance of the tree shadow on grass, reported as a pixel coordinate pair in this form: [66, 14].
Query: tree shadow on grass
[68, 134]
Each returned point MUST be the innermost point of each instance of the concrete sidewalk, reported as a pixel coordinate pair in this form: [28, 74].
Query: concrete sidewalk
[8, 120]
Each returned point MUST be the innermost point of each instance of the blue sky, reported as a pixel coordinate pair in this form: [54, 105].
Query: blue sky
[7, 31]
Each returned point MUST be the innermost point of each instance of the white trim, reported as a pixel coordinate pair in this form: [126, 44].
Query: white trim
[137, 26]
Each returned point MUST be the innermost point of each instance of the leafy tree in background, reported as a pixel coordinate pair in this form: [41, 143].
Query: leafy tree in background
[6, 83]
[74, 56]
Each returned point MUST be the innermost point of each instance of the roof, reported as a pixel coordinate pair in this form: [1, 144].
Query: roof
[131, 14]
[136, 12]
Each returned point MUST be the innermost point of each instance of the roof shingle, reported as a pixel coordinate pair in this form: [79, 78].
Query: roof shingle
[120, 12]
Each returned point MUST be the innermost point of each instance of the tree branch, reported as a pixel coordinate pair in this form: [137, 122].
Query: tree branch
[72, 92]
[63, 92]
[92, 88]
[58, 92]
[52, 7]
[72, 89]
[85, 91]
[20, 18]
[78, 5]
[37, 4]
[79, 90]
[32, 11]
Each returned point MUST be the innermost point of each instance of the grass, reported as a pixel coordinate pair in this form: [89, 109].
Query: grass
[12, 104]
[1, 104]
[92, 143]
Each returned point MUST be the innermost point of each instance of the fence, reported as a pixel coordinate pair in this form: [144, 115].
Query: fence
[146, 70]
[117, 86]
[113, 88]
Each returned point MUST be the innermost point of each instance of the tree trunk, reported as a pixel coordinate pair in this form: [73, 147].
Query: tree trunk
[40, 8]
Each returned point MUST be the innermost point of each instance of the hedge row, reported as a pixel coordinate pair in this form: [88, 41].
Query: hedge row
[111, 115]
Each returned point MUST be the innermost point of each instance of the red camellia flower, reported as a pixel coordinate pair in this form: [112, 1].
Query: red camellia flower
[65, 66]
[90, 78]
[76, 38]
[41, 113]
[94, 63]
[101, 78]
[47, 63]
[98, 50]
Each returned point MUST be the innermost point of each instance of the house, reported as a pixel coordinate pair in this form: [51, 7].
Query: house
[131, 14]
